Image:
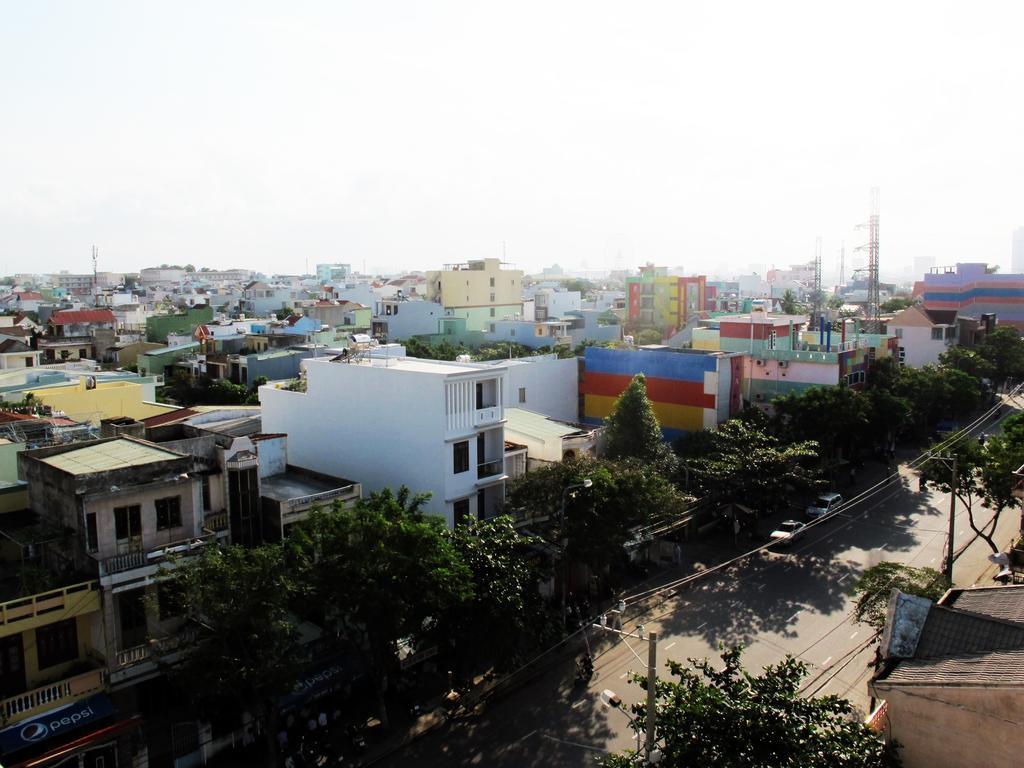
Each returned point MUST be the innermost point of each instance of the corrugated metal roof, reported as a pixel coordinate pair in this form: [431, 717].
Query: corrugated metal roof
[104, 457]
[537, 424]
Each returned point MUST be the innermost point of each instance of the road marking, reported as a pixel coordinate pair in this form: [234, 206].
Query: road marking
[524, 738]
[623, 675]
[669, 646]
[883, 546]
[824, 663]
[959, 533]
[762, 586]
[578, 703]
[573, 743]
[932, 560]
[844, 578]
[854, 635]
[702, 625]
[796, 614]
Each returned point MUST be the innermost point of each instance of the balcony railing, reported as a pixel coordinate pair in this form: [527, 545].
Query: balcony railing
[72, 600]
[487, 415]
[53, 695]
[155, 648]
[315, 498]
[57, 341]
[490, 468]
[126, 562]
[216, 521]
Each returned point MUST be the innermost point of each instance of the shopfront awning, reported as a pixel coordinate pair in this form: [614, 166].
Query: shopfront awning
[55, 723]
[320, 679]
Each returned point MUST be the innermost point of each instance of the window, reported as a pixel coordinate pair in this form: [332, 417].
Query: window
[461, 457]
[206, 493]
[128, 527]
[513, 332]
[168, 513]
[492, 297]
[492, 282]
[491, 326]
[522, 394]
[57, 643]
[899, 333]
[936, 334]
[461, 510]
[92, 543]
[492, 311]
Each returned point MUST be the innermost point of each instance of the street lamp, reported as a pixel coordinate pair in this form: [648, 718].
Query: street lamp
[652, 754]
[587, 482]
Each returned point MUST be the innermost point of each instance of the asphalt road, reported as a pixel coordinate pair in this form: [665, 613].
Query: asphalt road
[795, 601]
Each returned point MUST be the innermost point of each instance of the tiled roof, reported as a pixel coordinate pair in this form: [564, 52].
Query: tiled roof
[68, 316]
[993, 668]
[13, 345]
[28, 295]
[999, 602]
[949, 632]
[107, 456]
[169, 417]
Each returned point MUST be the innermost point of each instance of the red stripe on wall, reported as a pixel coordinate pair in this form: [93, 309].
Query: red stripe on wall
[742, 330]
[672, 391]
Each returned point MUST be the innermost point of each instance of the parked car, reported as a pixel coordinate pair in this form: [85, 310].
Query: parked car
[823, 505]
[788, 532]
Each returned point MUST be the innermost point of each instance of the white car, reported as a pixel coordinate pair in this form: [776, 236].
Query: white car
[788, 532]
[823, 505]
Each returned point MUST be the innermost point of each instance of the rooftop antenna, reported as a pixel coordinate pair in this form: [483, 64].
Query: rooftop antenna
[95, 278]
[842, 263]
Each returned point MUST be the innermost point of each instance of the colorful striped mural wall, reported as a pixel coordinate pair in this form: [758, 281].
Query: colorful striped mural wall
[685, 388]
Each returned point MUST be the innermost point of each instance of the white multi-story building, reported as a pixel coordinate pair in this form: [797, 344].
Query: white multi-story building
[433, 426]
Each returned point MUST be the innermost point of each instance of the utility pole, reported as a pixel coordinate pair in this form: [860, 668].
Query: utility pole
[652, 681]
[952, 524]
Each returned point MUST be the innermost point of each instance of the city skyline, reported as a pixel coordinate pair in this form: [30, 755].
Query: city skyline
[700, 136]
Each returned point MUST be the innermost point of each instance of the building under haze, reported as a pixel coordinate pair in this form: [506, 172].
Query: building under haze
[480, 291]
[972, 291]
[1017, 255]
[659, 300]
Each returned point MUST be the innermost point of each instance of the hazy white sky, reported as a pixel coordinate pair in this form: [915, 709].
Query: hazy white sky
[710, 135]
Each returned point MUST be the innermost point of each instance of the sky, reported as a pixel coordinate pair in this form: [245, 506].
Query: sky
[708, 136]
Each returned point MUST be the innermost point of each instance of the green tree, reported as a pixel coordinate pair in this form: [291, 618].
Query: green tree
[971, 459]
[382, 572]
[1004, 349]
[835, 417]
[969, 361]
[632, 429]
[577, 284]
[649, 336]
[506, 616]
[598, 520]
[740, 462]
[284, 313]
[789, 306]
[730, 718]
[247, 653]
[896, 303]
[876, 584]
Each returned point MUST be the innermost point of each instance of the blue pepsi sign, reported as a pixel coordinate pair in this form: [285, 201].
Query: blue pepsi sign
[55, 723]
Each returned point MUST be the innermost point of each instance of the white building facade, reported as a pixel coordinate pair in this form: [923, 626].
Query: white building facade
[433, 426]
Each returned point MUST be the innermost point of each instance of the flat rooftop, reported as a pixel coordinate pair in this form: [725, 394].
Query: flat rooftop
[294, 484]
[107, 456]
[410, 364]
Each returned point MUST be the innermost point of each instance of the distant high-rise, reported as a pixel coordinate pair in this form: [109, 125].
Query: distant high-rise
[1017, 258]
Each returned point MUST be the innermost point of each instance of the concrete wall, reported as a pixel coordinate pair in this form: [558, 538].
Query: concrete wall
[956, 726]
[413, 318]
[273, 453]
[108, 400]
[159, 326]
[9, 460]
[552, 387]
[919, 346]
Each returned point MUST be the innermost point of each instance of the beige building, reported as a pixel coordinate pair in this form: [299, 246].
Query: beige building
[480, 291]
[951, 687]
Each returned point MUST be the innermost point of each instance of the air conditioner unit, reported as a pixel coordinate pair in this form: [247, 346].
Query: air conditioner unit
[783, 364]
[759, 362]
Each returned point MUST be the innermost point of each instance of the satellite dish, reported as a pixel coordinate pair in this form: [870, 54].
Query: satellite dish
[90, 382]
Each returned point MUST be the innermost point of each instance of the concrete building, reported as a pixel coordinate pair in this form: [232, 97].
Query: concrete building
[159, 361]
[17, 354]
[400, 319]
[951, 683]
[1017, 252]
[659, 300]
[161, 276]
[260, 299]
[923, 334]
[689, 389]
[330, 274]
[159, 327]
[433, 426]
[972, 291]
[78, 334]
[544, 384]
[479, 291]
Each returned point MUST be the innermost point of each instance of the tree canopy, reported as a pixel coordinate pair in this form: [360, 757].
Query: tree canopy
[632, 430]
[876, 584]
[730, 718]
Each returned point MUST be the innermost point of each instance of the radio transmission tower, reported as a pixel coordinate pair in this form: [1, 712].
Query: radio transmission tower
[842, 263]
[816, 296]
[95, 277]
[874, 325]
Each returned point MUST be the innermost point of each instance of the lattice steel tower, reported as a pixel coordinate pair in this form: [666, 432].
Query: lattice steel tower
[873, 323]
[816, 296]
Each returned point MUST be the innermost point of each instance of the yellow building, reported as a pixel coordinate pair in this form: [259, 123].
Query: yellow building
[89, 400]
[480, 291]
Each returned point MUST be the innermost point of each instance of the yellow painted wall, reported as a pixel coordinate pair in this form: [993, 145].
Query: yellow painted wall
[35, 677]
[706, 338]
[670, 415]
[110, 399]
[472, 287]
